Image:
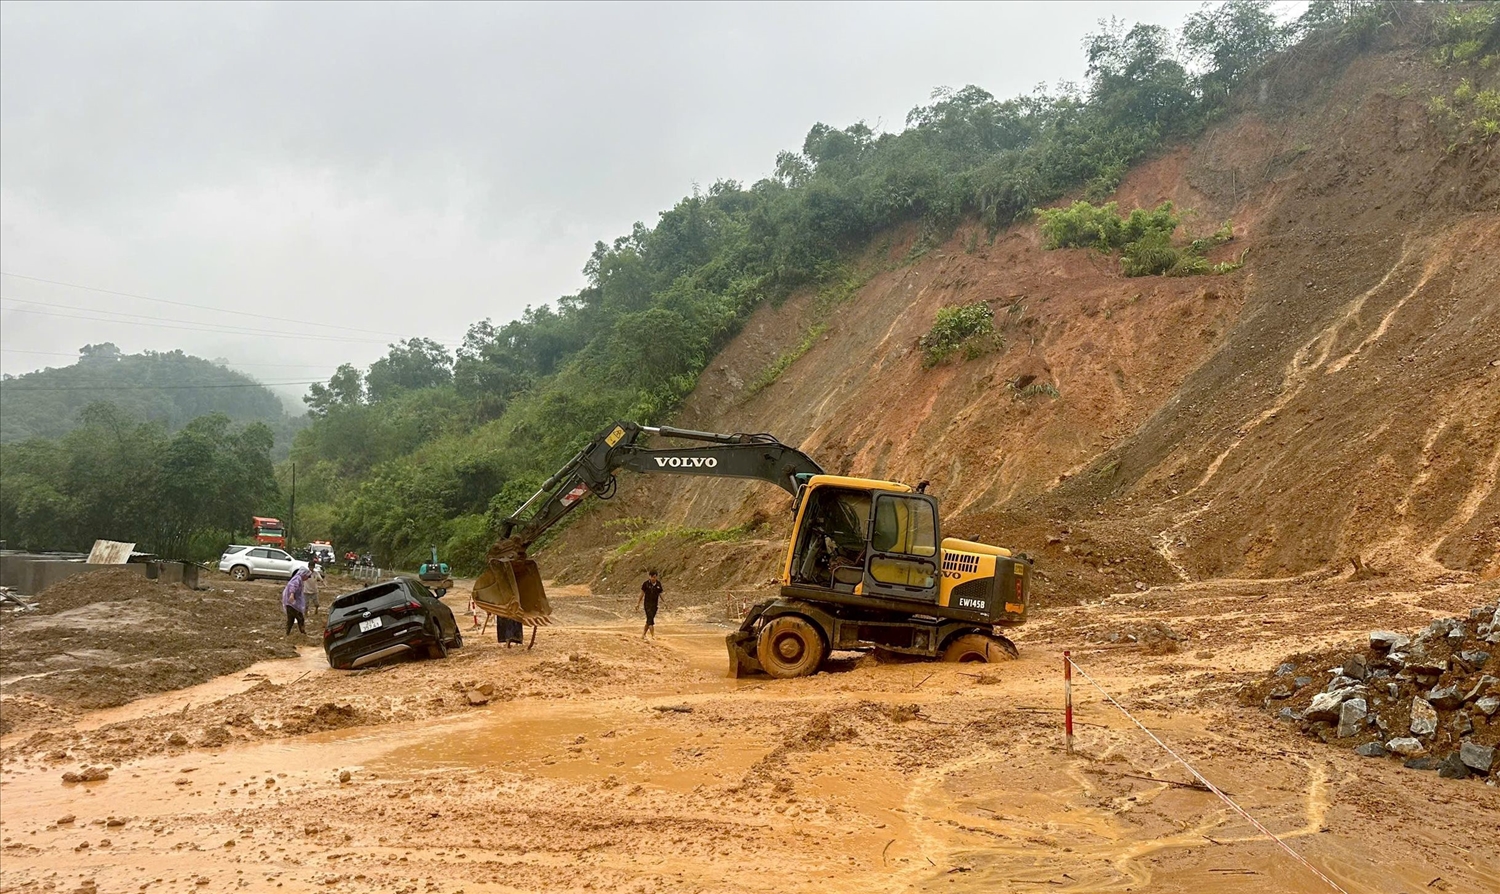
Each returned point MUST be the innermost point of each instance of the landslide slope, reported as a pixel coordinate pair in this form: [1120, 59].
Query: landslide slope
[1337, 397]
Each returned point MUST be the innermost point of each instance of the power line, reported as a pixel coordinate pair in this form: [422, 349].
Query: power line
[75, 355]
[12, 388]
[185, 325]
[69, 285]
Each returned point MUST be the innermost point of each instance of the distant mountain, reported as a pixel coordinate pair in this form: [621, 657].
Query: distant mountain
[172, 387]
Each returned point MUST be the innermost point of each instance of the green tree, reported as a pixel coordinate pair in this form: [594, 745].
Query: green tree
[410, 365]
[1231, 40]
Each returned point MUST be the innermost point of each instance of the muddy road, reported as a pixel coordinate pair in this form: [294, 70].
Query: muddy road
[598, 762]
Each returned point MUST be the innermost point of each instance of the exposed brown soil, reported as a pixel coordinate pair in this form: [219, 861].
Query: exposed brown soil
[103, 638]
[601, 762]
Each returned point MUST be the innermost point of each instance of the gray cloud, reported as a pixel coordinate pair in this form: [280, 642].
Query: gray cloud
[411, 168]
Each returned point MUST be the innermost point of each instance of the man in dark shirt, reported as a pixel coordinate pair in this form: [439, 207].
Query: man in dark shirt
[650, 600]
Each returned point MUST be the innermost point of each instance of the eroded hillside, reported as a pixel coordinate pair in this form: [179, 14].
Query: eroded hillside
[1337, 397]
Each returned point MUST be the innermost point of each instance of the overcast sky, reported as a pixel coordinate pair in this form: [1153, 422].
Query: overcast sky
[407, 169]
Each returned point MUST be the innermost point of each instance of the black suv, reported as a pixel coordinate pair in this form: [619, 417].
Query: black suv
[385, 620]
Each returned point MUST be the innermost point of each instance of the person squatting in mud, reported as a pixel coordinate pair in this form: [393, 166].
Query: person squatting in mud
[650, 601]
[294, 599]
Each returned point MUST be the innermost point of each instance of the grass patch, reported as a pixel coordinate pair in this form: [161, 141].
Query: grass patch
[844, 285]
[968, 329]
[1470, 116]
[642, 532]
[780, 364]
[1143, 238]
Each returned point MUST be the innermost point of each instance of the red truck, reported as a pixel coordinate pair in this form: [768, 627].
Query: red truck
[268, 530]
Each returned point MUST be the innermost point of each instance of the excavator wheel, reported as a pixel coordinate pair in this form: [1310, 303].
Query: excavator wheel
[978, 647]
[790, 647]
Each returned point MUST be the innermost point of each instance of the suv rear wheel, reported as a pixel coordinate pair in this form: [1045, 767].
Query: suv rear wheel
[240, 572]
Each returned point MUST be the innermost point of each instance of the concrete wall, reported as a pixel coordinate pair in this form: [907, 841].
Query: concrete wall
[29, 575]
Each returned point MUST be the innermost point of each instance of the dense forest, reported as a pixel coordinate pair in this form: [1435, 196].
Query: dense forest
[118, 478]
[166, 450]
[427, 447]
[172, 388]
[431, 448]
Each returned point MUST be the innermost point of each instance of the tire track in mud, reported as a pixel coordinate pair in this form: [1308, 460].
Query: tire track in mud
[1092, 849]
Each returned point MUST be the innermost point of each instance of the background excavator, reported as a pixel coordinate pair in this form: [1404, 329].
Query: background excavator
[866, 566]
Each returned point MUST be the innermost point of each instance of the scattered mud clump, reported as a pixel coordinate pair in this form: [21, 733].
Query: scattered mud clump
[1431, 699]
[326, 716]
[87, 774]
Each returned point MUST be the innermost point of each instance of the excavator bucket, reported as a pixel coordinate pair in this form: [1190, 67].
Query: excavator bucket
[742, 659]
[513, 589]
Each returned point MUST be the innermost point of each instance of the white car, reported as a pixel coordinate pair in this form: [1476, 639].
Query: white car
[247, 562]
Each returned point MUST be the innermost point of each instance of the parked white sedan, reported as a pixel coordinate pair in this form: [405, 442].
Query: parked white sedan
[247, 562]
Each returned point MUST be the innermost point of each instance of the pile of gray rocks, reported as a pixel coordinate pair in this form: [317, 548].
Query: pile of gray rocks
[1431, 699]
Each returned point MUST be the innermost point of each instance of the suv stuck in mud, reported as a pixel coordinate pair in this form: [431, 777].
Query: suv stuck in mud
[386, 620]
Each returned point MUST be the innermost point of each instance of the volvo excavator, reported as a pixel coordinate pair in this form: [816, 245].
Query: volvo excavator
[866, 567]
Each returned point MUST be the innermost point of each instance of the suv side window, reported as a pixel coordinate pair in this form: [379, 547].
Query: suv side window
[278, 554]
[261, 553]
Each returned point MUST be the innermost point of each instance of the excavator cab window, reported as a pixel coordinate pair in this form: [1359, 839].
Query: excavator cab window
[903, 548]
[832, 541]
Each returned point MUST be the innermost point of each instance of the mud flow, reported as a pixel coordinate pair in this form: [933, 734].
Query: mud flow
[602, 762]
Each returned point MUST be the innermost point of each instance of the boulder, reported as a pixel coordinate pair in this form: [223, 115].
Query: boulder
[1352, 717]
[1479, 758]
[1370, 749]
[1424, 719]
[1422, 665]
[1405, 746]
[1355, 668]
[1325, 705]
[1341, 682]
[1488, 705]
[1445, 699]
[1480, 688]
[1474, 658]
[1452, 767]
[1299, 682]
[1388, 641]
[1286, 670]
[1286, 714]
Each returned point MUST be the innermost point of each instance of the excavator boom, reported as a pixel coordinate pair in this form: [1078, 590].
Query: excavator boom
[511, 586]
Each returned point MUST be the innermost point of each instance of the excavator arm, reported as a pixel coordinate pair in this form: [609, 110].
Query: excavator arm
[511, 587]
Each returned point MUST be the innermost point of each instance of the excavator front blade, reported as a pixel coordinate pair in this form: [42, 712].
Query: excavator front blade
[513, 589]
[742, 658]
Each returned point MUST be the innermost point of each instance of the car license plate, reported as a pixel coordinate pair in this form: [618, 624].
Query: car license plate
[369, 625]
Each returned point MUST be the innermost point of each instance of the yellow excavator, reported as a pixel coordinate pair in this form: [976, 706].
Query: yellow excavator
[866, 567]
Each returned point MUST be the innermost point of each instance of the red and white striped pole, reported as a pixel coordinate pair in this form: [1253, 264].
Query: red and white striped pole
[1068, 697]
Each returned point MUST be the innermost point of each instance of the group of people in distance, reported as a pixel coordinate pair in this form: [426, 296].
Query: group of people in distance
[301, 595]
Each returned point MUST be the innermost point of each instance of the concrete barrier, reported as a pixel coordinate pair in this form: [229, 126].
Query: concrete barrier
[40, 574]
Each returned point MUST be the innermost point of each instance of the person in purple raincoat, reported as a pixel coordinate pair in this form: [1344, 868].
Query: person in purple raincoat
[295, 601]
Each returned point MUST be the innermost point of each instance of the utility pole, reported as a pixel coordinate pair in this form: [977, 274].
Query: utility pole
[291, 510]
